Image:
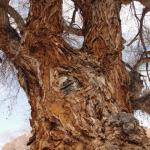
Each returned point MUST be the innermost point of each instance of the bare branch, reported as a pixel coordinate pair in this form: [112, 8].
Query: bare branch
[73, 30]
[140, 32]
[132, 69]
[142, 103]
[145, 11]
[74, 16]
[134, 39]
[17, 17]
[141, 62]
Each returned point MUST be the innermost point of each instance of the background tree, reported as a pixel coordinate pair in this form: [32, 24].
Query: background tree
[80, 98]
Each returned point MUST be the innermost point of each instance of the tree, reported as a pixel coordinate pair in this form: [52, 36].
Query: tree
[80, 98]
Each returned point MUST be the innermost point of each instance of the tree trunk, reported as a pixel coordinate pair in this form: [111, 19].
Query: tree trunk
[78, 102]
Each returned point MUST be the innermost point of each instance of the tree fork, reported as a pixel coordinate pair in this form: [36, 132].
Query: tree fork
[83, 105]
[80, 103]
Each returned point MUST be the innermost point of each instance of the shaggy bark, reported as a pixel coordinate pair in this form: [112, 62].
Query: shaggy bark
[78, 101]
[9, 41]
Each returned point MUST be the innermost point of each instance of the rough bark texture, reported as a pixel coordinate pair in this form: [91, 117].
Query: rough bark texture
[79, 102]
[9, 38]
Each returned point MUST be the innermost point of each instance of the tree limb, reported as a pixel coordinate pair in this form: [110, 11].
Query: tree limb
[74, 16]
[72, 30]
[142, 103]
[10, 40]
[17, 17]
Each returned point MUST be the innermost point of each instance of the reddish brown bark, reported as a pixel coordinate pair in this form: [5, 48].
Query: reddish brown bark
[9, 38]
[78, 102]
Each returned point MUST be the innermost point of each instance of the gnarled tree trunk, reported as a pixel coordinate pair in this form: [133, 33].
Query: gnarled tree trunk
[78, 101]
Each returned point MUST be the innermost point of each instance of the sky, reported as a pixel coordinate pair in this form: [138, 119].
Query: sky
[129, 30]
[14, 106]
[16, 122]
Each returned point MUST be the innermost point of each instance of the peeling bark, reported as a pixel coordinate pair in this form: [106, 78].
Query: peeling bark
[78, 101]
[9, 40]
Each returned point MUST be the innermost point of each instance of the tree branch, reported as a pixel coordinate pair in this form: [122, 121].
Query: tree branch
[17, 17]
[72, 30]
[74, 16]
[10, 40]
[142, 103]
